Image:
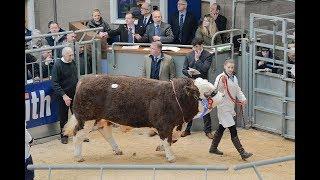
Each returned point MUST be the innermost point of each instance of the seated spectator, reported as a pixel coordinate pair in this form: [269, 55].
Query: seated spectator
[97, 21]
[206, 30]
[82, 62]
[27, 32]
[128, 32]
[158, 31]
[30, 67]
[46, 63]
[268, 66]
[292, 57]
[146, 17]
[183, 24]
[69, 40]
[220, 20]
[54, 28]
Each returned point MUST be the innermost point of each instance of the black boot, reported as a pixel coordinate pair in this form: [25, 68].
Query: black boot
[215, 142]
[236, 142]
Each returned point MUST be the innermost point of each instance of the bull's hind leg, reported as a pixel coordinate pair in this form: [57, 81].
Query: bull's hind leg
[107, 134]
[167, 149]
[78, 140]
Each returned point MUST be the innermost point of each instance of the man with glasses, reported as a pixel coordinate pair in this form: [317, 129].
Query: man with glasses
[146, 17]
[183, 24]
[158, 31]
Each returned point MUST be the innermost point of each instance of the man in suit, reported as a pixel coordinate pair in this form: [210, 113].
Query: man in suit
[221, 21]
[128, 32]
[158, 31]
[183, 24]
[158, 65]
[200, 60]
[55, 28]
[146, 18]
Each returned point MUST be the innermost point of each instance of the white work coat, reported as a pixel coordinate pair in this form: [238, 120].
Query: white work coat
[28, 138]
[226, 108]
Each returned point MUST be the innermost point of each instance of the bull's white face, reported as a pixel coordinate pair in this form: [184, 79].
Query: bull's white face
[204, 86]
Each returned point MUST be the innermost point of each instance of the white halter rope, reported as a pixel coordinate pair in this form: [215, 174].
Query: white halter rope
[175, 95]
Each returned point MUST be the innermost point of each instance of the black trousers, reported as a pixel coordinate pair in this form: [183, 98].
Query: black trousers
[232, 129]
[206, 123]
[28, 174]
[63, 110]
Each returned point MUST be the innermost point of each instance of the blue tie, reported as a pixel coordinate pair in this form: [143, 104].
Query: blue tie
[180, 27]
[130, 37]
[145, 21]
[157, 31]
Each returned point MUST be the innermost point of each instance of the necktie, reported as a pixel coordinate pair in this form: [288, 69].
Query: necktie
[145, 21]
[157, 31]
[180, 27]
[130, 37]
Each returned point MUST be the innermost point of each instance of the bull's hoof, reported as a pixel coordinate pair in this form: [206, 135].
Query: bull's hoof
[119, 152]
[160, 148]
[79, 158]
[171, 160]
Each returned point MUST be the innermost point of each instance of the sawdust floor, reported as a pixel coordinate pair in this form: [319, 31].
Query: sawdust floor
[138, 148]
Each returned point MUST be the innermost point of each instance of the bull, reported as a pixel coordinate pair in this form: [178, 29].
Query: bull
[136, 102]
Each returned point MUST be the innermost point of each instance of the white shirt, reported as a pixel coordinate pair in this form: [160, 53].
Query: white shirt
[148, 17]
[28, 138]
[62, 59]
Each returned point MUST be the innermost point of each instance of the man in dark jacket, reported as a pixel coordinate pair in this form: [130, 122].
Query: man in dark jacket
[200, 60]
[220, 20]
[128, 32]
[64, 81]
[146, 17]
[55, 28]
[183, 24]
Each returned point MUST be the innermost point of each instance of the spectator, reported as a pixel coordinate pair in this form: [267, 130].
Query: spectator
[31, 68]
[183, 24]
[97, 21]
[55, 28]
[82, 62]
[158, 31]
[64, 81]
[46, 62]
[128, 32]
[267, 66]
[69, 40]
[152, 64]
[27, 32]
[146, 17]
[227, 83]
[220, 20]
[206, 30]
[292, 57]
[29, 174]
[200, 60]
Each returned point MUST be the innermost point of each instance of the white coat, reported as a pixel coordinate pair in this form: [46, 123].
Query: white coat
[28, 138]
[226, 108]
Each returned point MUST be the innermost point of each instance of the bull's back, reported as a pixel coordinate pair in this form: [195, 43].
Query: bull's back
[121, 99]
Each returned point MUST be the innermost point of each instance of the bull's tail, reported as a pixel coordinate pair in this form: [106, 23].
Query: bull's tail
[69, 128]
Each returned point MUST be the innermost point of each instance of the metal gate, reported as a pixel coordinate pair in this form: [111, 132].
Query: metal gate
[272, 105]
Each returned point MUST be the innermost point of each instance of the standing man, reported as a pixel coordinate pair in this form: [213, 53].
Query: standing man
[146, 17]
[158, 65]
[158, 31]
[200, 60]
[128, 32]
[183, 24]
[64, 81]
[220, 20]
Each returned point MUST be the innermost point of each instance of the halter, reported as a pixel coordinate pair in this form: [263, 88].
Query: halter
[175, 95]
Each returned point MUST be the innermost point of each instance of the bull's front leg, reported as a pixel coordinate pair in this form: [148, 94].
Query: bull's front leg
[167, 149]
[107, 134]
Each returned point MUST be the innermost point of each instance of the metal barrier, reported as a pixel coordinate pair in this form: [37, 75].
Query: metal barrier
[272, 103]
[254, 165]
[127, 167]
[171, 45]
[95, 52]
